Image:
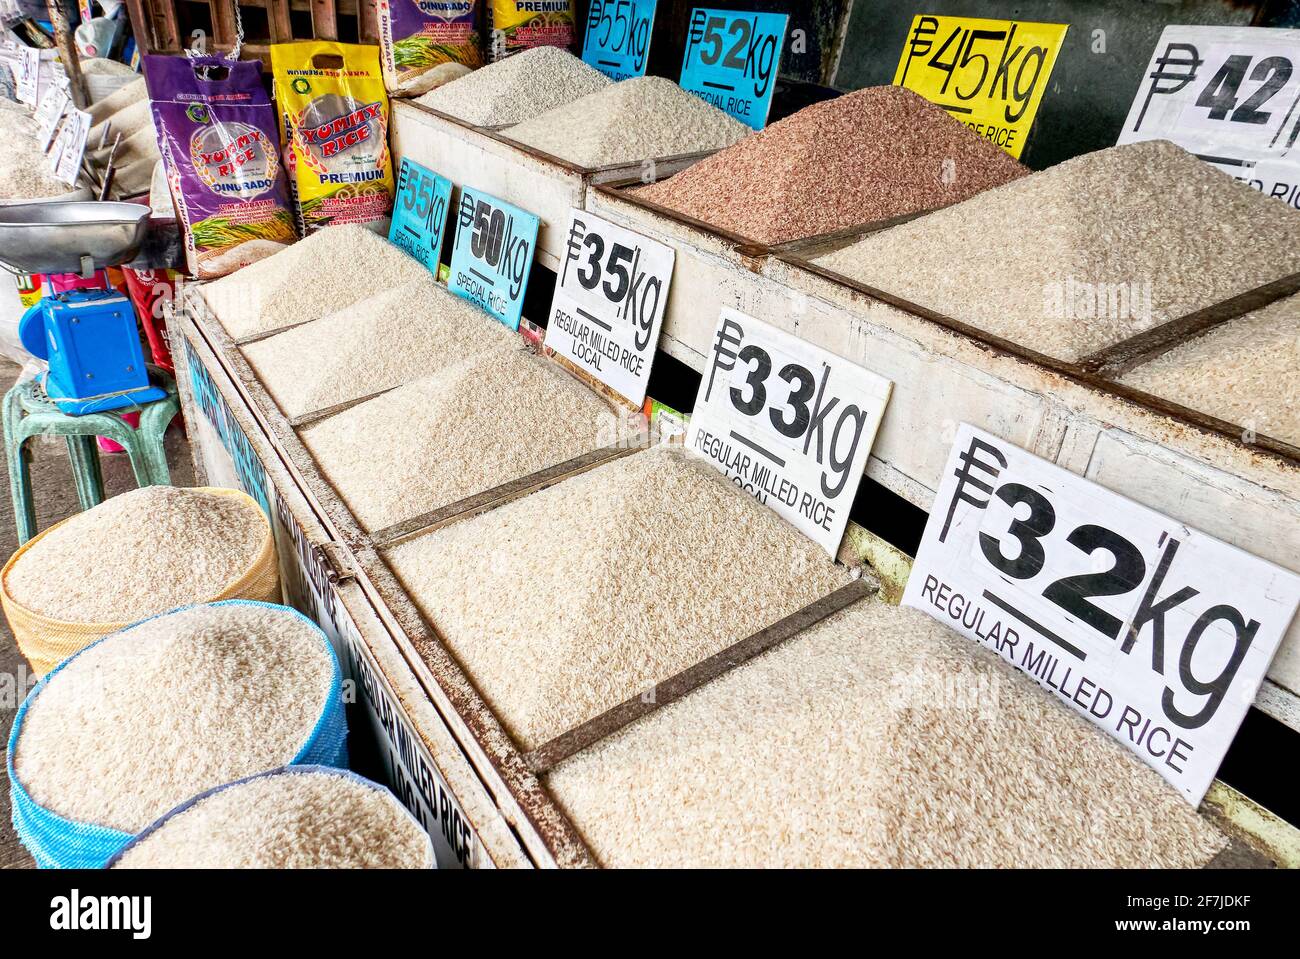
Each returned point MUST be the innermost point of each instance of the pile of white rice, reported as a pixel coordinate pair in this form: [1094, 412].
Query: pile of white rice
[118, 100]
[179, 704]
[296, 819]
[644, 118]
[879, 738]
[1243, 371]
[517, 88]
[564, 604]
[326, 272]
[447, 436]
[139, 554]
[24, 168]
[371, 345]
[1064, 261]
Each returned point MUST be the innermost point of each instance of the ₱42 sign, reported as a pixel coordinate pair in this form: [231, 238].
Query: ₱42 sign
[1158, 633]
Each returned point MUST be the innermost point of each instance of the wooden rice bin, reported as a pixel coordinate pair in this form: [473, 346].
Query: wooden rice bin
[46, 641]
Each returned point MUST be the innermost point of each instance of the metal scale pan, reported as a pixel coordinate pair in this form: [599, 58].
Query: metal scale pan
[77, 237]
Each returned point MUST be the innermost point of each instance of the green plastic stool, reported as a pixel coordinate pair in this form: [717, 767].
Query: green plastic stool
[29, 412]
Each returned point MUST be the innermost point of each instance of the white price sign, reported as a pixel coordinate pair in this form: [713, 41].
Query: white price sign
[1159, 634]
[70, 146]
[788, 422]
[609, 303]
[53, 104]
[1231, 95]
[29, 75]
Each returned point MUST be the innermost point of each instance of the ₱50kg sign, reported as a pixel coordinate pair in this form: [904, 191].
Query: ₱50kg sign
[788, 422]
[989, 74]
[1157, 633]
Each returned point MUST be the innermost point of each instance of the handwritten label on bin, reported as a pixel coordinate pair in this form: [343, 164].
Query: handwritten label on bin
[1154, 631]
[420, 213]
[70, 146]
[989, 74]
[618, 36]
[1229, 95]
[28, 79]
[732, 61]
[609, 303]
[788, 422]
[492, 254]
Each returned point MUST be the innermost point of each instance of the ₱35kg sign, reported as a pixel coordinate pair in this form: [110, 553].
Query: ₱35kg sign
[732, 61]
[989, 74]
[1157, 633]
[1231, 95]
[788, 422]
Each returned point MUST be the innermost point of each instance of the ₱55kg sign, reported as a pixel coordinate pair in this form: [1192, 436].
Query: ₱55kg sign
[1159, 634]
[732, 61]
[1231, 95]
[989, 74]
[788, 422]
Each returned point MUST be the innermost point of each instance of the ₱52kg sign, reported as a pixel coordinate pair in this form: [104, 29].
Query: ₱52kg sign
[788, 422]
[1159, 634]
[1231, 95]
[732, 60]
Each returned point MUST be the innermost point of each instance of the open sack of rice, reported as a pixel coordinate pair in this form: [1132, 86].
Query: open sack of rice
[328, 271]
[878, 738]
[566, 603]
[134, 556]
[153, 715]
[299, 817]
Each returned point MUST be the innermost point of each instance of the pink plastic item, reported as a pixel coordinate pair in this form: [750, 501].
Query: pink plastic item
[109, 446]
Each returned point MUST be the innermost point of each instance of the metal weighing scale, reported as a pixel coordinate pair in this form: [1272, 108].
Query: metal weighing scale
[82, 327]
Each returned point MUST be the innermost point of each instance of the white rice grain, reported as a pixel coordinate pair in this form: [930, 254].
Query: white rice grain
[1085, 254]
[372, 345]
[289, 820]
[565, 603]
[644, 118]
[139, 554]
[179, 704]
[328, 271]
[447, 436]
[879, 738]
[517, 88]
[1243, 371]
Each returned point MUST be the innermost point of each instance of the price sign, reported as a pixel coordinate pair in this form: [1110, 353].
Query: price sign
[1231, 95]
[29, 75]
[609, 303]
[70, 146]
[618, 36]
[50, 112]
[420, 213]
[788, 422]
[989, 74]
[732, 61]
[492, 255]
[1157, 633]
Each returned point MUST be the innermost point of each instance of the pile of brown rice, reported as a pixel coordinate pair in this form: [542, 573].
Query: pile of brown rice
[565, 603]
[879, 738]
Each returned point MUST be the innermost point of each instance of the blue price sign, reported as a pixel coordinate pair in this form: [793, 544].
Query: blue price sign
[492, 254]
[618, 36]
[732, 61]
[420, 213]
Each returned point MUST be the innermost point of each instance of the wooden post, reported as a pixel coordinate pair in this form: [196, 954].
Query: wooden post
[62, 15]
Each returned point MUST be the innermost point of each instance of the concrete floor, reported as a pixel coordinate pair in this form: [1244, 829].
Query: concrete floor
[56, 498]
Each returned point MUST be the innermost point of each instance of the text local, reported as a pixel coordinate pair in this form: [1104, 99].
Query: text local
[758, 479]
[1058, 676]
[592, 347]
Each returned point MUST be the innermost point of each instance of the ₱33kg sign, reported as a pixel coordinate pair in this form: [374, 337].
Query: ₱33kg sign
[989, 74]
[788, 422]
[732, 61]
[1159, 634]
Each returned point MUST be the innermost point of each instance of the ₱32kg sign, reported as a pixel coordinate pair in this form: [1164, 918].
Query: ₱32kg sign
[1231, 95]
[1159, 634]
[788, 422]
[989, 74]
[609, 303]
[732, 61]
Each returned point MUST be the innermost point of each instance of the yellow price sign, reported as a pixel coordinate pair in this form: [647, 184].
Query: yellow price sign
[989, 74]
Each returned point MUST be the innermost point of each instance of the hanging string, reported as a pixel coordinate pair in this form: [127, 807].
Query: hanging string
[234, 52]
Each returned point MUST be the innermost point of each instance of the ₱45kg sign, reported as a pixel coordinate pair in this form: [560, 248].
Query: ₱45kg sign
[1157, 633]
[732, 61]
[1231, 95]
[989, 74]
[788, 422]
